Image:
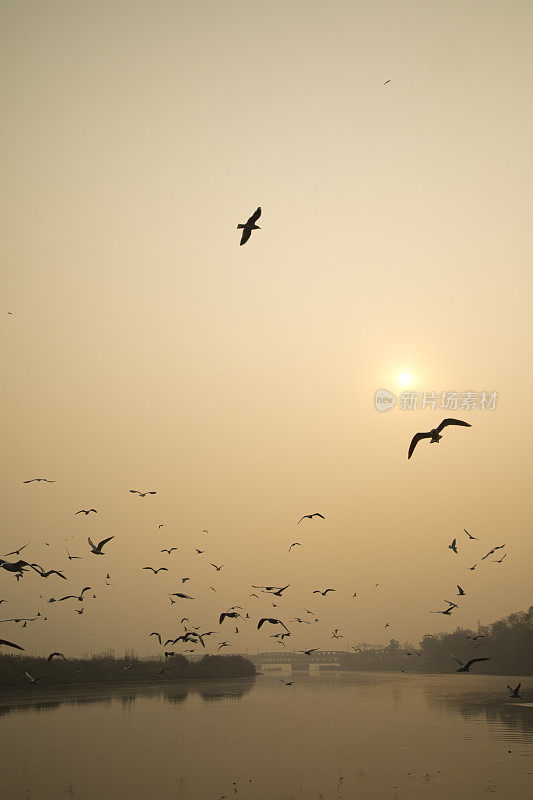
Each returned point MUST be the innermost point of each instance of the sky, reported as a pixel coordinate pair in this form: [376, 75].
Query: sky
[145, 349]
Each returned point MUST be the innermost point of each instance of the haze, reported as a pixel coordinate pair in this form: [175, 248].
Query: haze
[147, 350]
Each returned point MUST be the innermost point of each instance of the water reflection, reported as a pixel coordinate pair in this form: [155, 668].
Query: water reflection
[512, 714]
[103, 696]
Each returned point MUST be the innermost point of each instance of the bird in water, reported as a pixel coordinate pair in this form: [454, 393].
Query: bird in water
[466, 667]
[249, 226]
[434, 433]
[516, 691]
[97, 549]
[310, 516]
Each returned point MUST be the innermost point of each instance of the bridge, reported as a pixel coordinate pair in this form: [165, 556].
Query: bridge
[301, 661]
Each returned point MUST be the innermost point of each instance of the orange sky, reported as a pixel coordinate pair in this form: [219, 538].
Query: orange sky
[147, 350]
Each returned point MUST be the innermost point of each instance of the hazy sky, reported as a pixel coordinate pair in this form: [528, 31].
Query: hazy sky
[147, 350]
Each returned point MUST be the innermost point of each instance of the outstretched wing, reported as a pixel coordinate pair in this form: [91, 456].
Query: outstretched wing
[473, 661]
[91, 543]
[246, 233]
[11, 644]
[451, 421]
[255, 216]
[261, 622]
[456, 659]
[414, 441]
[518, 687]
[85, 589]
[104, 541]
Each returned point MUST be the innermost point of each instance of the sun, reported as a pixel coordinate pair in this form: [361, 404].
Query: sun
[404, 379]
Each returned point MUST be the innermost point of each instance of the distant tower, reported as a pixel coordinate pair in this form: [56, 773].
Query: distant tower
[478, 626]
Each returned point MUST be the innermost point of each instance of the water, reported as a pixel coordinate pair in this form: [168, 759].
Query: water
[333, 735]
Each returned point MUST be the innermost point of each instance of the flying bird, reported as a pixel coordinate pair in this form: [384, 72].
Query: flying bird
[324, 593]
[75, 596]
[310, 516]
[10, 644]
[453, 546]
[141, 494]
[224, 644]
[164, 550]
[71, 558]
[218, 568]
[183, 596]
[97, 549]
[272, 621]
[230, 614]
[308, 652]
[249, 226]
[46, 573]
[499, 547]
[86, 511]
[56, 655]
[434, 433]
[155, 571]
[460, 592]
[294, 545]
[16, 552]
[38, 479]
[466, 667]
[470, 535]
[34, 680]
[516, 691]
[499, 560]
[156, 634]
[387, 81]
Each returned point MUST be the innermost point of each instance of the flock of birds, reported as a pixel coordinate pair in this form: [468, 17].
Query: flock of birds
[192, 635]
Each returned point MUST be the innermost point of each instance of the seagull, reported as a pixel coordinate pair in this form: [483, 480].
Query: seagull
[34, 680]
[294, 545]
[160, 525]
[200, 551]
[56, 655]
[460, 592]
[477, 636]
[10, 644]
[387, 81]
[183, 596]
[45, 574]
[287, 683]
[453, 546]
[78, 610]
[75, 596]
[224, 644]
[466, 667]
[16, 552]
[38, 479]
[156, 634]
[86, 511]
[472, 568]
[230, 614]
[249, 226]
[434, 433]
[324, 593]
[516, 691]
[447, 611]
[97, 549]
[155, 571]
[310, 516]
[128, 667]
[71, 558]
[164, 550]
[498, 547]
[141, 494]
[183, 580]
[218, 568]
[470, 535]
[308, 652]
[279, 590]
[499, 560]
[272, 622]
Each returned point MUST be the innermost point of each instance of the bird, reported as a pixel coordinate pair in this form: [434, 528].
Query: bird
[447, 611]
[141, 494]
[199, 551]
[230, 614]
[308, 652]
[310, 516]
[218, 568]
[324, 593]
[249, 226]
[128, 667]
[294, 545]
[516, 691]
[272, 621]
[170, 549]
[498, 547]
[16, 552]
[160, 525]
[97, 549]
[434, 433]
[71, 558]
[466, 667]
[75, 596]
[56, 655]
[46, 573]
[183, 596]
[387, 624]
[387, 81]
[78, 610]
[477, 636]
[183, 580]
[155, 571]
[224, 644]
[39, 479]
[499, 560]
[453, 546]
[34, 680]
[86, 511]
[156, 634]
[470, 535]
[472, 568]
[287, 683]
[460, 592]
[279, 590]
[10, 644]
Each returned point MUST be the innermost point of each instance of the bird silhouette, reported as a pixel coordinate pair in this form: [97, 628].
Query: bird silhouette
[516, 691]
[141, 494]
[39, 480]
[310, 516]
[16, 552]
[218, 568]
[97, 549]
[460, 592]
[56, 655]
[86, 511]
[159, 569]
[230, 614]
[470, 535]
[182, 596]
[324, 593]
[434, 433]
[498, 547]
[294, 545]
[34, 680]
[169, 551]
[272, 621]
[156, 634]
[10, 644]
[466, 667]
[499, 560]
[75, 596]
[249, 226]
[453, 546]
